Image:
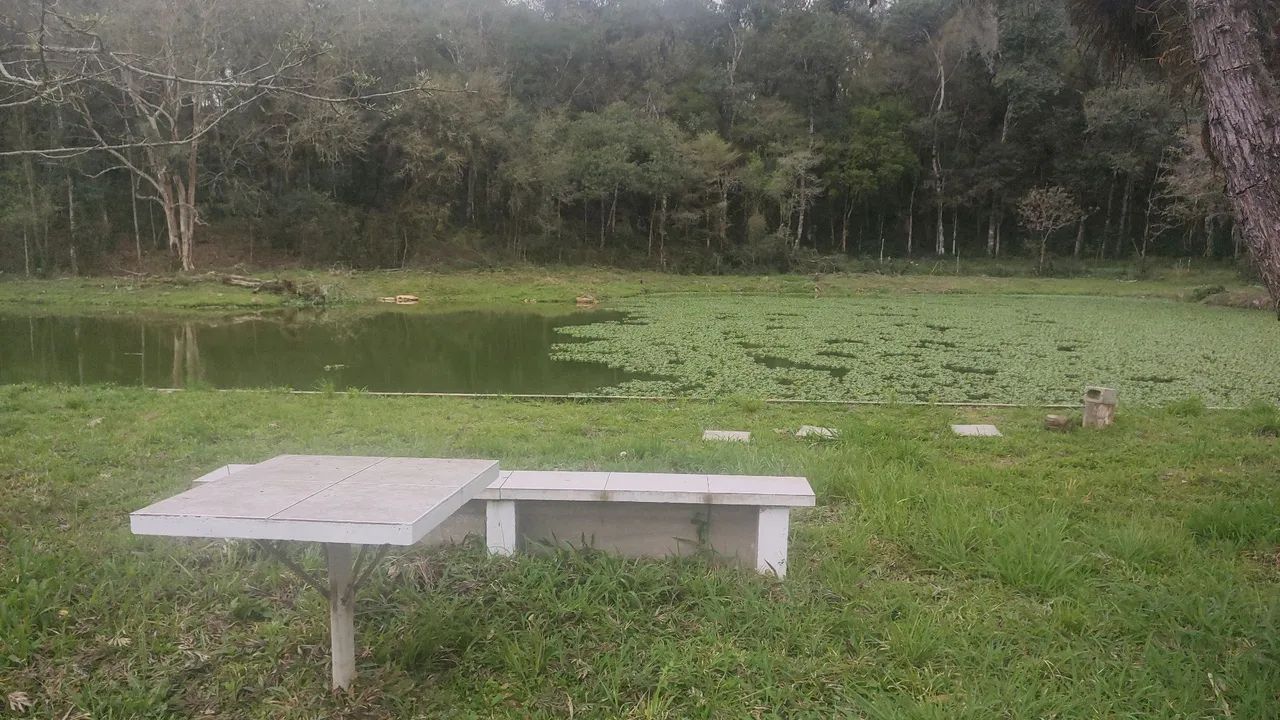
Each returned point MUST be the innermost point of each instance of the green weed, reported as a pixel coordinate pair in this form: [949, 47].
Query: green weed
[1043, 575]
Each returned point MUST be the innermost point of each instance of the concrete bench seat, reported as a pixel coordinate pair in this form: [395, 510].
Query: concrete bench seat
[743, 519]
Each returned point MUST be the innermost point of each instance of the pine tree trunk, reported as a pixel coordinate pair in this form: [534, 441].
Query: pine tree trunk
[1243, 109]
[1075, 253]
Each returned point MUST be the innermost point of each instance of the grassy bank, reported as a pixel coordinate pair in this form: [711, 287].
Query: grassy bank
[562, 285]
[1126, 573]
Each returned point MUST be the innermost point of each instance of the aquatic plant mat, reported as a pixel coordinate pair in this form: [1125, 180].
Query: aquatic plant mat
[1033, 350]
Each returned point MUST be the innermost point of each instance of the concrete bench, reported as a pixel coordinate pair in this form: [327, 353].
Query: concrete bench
[743, 519]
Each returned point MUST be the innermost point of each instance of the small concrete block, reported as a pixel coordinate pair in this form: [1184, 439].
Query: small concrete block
[1104, 395]
[825, 433]
[975, 430]
[727, 435]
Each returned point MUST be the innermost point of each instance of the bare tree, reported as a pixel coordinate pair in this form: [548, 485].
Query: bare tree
[150, 81]
[1044, 210]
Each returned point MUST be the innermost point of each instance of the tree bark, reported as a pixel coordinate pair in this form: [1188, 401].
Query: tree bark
[1124, 214]
[71, 224]
[991, 225]
[133, 204]
[1106, 225]
[662, 232]
[911, 215]
[844, 227]
[1243, 111]
[955, 222]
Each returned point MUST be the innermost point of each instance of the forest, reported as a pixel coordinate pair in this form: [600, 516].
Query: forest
[684, 135]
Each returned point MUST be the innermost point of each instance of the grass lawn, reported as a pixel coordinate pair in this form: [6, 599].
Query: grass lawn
[1126, 573]
[203, 292]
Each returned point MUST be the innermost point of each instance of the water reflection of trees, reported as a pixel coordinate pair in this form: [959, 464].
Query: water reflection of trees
[477, 350]
[187, 368]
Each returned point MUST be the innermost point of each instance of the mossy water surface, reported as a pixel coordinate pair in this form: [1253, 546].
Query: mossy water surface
[1029, 349]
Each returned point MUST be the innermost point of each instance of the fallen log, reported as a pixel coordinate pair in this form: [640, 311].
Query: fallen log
[275, 285]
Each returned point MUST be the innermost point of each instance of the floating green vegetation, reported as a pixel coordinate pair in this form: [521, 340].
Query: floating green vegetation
[1020, 349]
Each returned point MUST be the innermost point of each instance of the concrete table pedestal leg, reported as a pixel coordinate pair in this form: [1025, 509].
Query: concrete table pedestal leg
[342, 631]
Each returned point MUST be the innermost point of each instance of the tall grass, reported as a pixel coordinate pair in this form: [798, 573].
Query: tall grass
[1081, 575]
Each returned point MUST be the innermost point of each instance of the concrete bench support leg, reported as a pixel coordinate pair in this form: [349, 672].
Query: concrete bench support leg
[500, 526]
[771, 540]
[342, 631]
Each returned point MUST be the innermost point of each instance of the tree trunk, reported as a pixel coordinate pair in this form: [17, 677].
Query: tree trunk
[1106, 225]
[1243, 113]
[133, 203]
[662, 232]
[613, 212]
[1124, 213]
[991, 226]
[881, 236]
[911, 215]
[604, 219]
[1075, 253]
[955, 222]
[722, 235]
[803, 202]
[653, 214]
[844, 227]
[71, 224]
[26, 254]
[189, 209]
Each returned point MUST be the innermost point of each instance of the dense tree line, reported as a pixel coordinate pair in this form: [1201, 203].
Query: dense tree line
[684, 134]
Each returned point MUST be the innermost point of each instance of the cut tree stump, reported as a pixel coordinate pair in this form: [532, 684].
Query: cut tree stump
[1061, 423]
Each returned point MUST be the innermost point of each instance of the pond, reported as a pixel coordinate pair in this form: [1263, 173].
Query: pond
[481, 351]
[919, 348]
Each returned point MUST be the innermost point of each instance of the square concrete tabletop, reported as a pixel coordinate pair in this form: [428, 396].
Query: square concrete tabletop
[323, 498]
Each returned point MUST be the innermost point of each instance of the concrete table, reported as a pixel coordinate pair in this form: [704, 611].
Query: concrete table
[339, 501]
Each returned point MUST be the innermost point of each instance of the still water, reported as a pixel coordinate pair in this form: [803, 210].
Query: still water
[482, 351]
